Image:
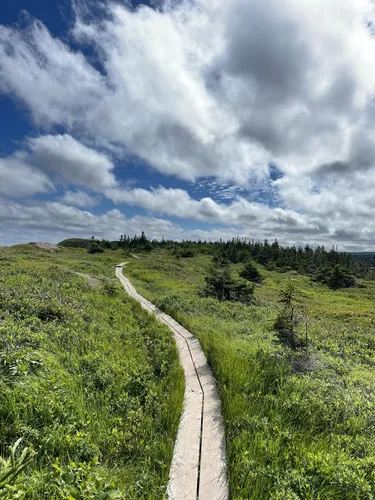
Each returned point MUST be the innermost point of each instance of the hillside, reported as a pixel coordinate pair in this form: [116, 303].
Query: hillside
[90, 383]
[299, 422]
[364, 256]
[93, 386]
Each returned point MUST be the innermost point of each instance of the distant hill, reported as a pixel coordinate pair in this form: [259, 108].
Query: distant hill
[74, 243]
[363, 256]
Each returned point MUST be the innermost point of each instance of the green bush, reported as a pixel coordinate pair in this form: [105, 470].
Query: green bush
[94, 247]
[185, 253]
[221, 285]
[336, 277]
[286, 320]
[251, 273]
[109, 287]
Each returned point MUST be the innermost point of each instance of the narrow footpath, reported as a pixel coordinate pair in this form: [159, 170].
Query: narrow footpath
[198, 470]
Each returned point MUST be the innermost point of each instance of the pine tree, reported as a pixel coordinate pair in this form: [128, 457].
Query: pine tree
[251, 273]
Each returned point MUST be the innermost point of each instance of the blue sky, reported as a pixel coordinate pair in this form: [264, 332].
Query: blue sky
[187, 120]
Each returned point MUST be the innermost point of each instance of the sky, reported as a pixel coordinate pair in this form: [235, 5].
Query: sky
[188, 119]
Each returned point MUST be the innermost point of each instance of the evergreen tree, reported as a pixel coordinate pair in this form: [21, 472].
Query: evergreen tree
[336, 277]
[94, 247]
[221, 285]
[286, 320]
[251, 273]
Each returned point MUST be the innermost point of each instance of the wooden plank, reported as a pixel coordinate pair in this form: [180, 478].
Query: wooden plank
[198, 469]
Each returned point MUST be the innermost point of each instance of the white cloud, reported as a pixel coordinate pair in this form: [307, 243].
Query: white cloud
[54, 82]
[154, 100]
[17, 178]
[241, 212]
[72, 161]
[55, 221]
[175, 202]
[79, 199]
[326, 218]
[58, 158]
[51, 221]
[212, 88]
[207, 87]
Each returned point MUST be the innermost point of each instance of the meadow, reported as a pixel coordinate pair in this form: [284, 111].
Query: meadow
[90, 385]
[300, 424]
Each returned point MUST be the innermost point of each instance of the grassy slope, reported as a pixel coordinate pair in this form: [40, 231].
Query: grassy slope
[291, 432]
[87, 379]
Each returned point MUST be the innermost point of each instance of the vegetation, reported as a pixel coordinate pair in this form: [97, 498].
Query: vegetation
[74, 243]
[251, 273]
[221, 285]
[90, 385]
[336, 277]
[11, 468]
[286, 321]
[299, 419]
[315, 263]
[94, 247]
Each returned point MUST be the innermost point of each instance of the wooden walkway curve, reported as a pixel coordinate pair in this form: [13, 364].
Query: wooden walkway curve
[198, 470]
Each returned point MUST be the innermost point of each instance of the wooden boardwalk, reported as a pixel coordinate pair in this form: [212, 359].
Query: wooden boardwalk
[198, 470]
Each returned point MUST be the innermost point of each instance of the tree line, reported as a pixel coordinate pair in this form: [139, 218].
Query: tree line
[329, 266]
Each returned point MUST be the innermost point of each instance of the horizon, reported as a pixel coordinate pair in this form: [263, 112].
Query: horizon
[313, 247]
[188, 120]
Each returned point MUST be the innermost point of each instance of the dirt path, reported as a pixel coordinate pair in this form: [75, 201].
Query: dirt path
[198, 470]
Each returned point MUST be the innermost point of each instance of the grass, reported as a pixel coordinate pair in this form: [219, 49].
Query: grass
[299, 425]
[89, 382]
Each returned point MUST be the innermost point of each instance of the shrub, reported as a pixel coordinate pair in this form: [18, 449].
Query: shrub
[336, 277]
[109, 287]
[220, 259]
[186, 253]
[251, 273]
[221, 285]
[286, 321]
[242, 292]
[94, 247]
[81, 481]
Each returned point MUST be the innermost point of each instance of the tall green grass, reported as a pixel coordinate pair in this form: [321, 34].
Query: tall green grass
[88, 381]
[299, 425]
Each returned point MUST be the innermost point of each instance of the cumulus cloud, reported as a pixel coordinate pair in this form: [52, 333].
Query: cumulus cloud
[79, 199]
[206, 87]
[326, 217]
[215, 89]
[152, 98]
[53, 221]
[72, 161]
[55, 83]
[17, 178]
[298, 74]
[58, 158]
[241, 212]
